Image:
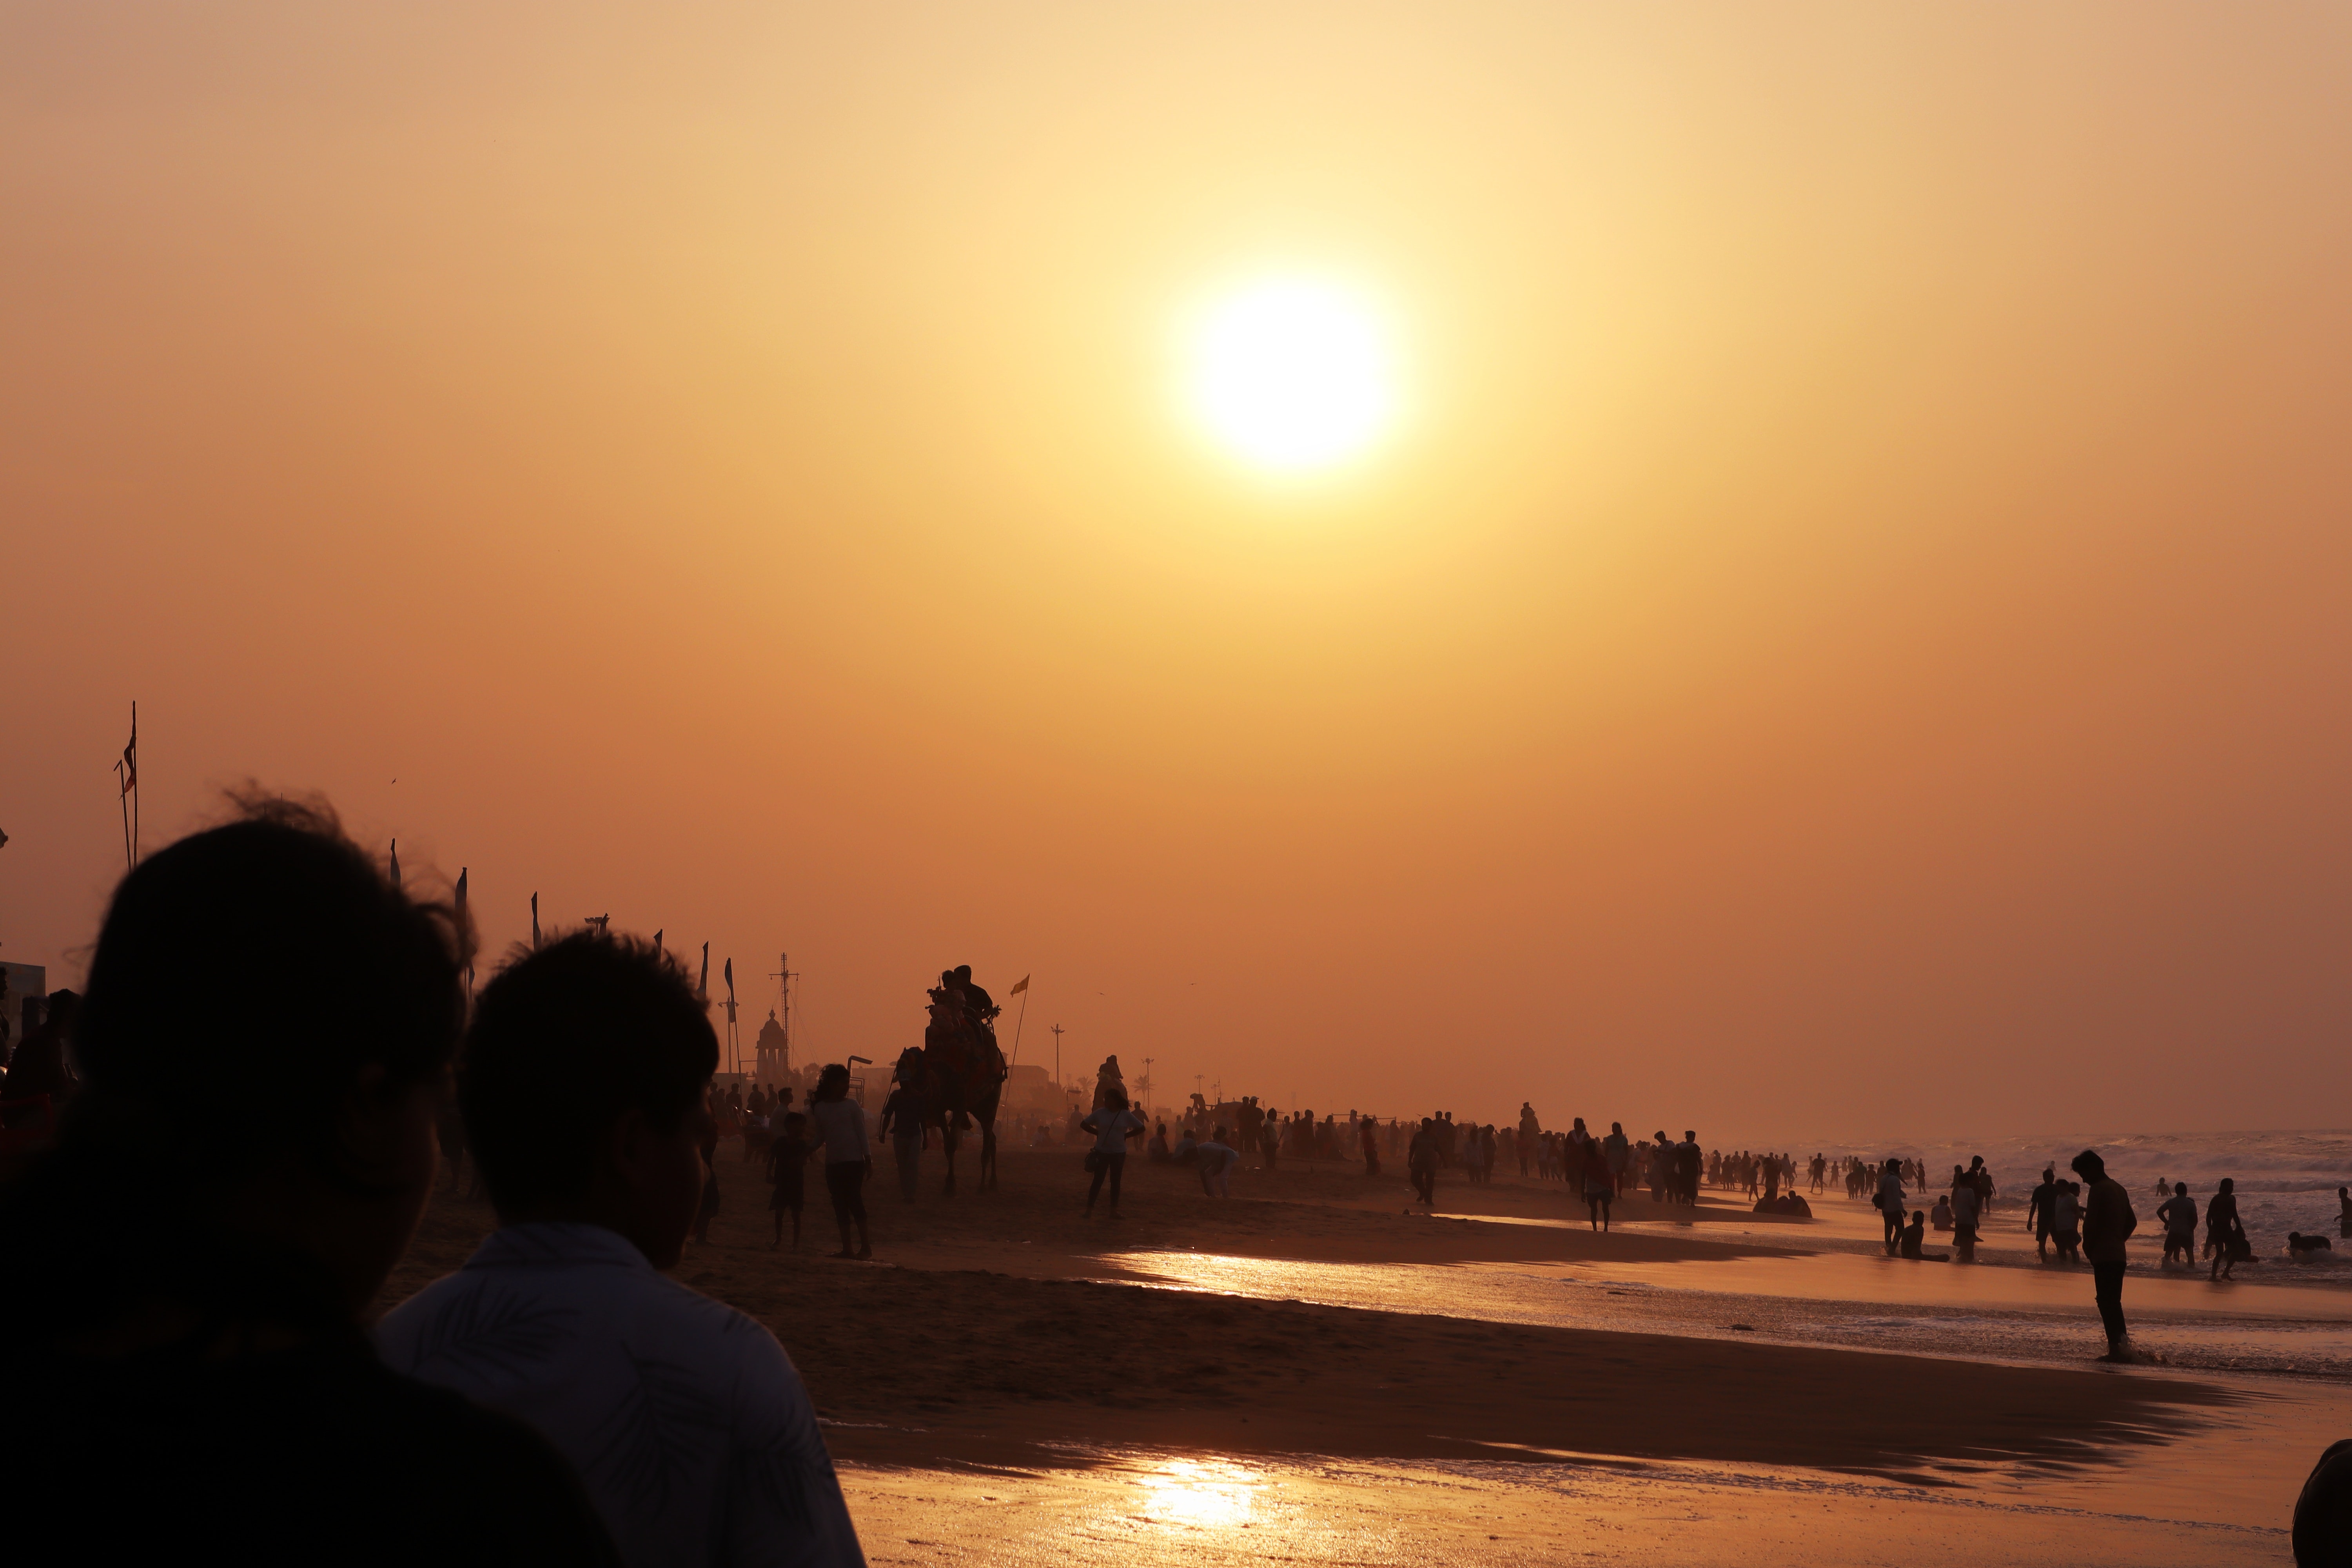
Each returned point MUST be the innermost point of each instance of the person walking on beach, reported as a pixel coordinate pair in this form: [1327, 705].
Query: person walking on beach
[1618, 1150]
[707, 1209]
[2343, 1212]
[841, 1133]
[2179, 1213]
[1421, 1163]
[2225, 1233]
[787, 1175]
[1112, 1124]
[1890, 1201]
[1368, 1136]
[1599, 1186]
[2041, 1212]
[2107, 1224]
[1689, 1162]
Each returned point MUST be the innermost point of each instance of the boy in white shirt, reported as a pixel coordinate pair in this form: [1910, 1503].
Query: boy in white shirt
[586, 1093]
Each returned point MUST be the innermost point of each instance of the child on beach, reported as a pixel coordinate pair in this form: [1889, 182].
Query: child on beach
[787, 1175]
[2068, 1231]
[1915, 1235]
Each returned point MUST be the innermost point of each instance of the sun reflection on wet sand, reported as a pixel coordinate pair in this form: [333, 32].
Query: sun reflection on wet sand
[1132, 1509]
[1211, 1494]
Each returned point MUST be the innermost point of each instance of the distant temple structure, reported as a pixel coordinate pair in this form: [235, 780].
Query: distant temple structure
[773, 1048]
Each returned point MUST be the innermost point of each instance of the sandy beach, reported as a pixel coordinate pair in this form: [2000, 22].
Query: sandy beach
[1250, 1375]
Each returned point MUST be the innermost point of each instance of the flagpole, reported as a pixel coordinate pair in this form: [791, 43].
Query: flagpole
[1023, 1018]
[134, 784]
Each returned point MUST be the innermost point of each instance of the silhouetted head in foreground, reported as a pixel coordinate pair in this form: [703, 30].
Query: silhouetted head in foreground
[2088, 1165]
[263, 1043]
[584, 1085]
[2323, 1514]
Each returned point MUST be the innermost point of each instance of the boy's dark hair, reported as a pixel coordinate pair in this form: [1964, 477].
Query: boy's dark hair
[243, 978]
[247, 974]
[563, 1041]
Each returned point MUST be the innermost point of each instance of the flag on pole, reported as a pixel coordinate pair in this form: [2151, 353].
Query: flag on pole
[1019, 986]
[702, 986]
[461, 890]
[730, 991]
[534, 923]
[395, 862]
[130, 768]
[658, 936]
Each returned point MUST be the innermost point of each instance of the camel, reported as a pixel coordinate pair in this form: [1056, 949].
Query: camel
[958, 1075]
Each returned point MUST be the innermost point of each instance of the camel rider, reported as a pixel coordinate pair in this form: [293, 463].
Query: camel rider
[975, 996]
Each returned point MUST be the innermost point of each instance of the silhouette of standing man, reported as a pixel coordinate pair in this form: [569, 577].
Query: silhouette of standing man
[2107, 1224]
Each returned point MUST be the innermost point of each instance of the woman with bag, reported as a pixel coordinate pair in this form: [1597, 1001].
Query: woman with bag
[1112, 1124]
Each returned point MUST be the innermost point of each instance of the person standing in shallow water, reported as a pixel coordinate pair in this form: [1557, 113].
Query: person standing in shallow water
[2041, 1212]
[2107, 1224]
[2179, 1213]
[1890, 1201]
[2225, 1233]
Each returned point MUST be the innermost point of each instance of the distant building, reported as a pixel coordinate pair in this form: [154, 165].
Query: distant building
[1032, 1089]
[773, 1060]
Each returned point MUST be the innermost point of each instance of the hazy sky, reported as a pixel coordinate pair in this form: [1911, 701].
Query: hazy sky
[1853, 635]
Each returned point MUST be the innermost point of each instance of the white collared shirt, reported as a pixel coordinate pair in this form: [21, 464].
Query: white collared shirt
[683, 1417]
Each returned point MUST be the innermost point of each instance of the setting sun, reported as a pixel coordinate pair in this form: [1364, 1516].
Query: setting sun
[1291, 374]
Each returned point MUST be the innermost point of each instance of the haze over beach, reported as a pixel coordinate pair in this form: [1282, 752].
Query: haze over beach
[1859, 580]
[1777, 570]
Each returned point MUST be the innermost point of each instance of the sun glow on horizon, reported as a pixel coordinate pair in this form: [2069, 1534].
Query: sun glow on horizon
[1291, 374]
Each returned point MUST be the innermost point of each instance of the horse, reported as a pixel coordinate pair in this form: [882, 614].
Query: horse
[958, 1075]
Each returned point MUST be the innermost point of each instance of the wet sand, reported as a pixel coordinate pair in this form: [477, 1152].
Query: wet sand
[1005, 1336]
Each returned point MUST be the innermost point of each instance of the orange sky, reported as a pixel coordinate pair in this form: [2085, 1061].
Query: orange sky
[1854, 639]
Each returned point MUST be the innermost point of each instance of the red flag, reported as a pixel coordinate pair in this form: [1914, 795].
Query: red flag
[129, 767]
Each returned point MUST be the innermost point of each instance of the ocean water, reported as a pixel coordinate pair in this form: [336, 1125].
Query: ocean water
[2286, 1180]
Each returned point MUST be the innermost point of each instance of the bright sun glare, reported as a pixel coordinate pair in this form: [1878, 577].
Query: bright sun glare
[1291, 374]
